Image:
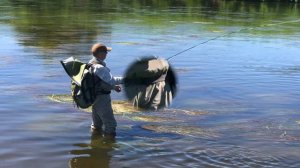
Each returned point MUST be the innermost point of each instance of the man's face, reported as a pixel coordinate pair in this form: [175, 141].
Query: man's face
[102, 55]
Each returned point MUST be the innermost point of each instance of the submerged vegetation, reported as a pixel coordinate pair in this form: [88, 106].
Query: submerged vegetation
[119, 107]
[126, 110]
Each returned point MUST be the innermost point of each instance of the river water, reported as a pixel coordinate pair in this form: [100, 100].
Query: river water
[238, 95]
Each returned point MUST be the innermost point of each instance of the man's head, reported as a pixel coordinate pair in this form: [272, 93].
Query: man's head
[100, 50]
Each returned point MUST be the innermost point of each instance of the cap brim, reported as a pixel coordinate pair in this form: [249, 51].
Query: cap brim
[108, 48]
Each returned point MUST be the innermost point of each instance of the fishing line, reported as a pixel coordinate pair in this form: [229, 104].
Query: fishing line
[229, 33]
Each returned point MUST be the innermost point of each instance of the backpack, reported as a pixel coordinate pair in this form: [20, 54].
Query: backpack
[82, 83]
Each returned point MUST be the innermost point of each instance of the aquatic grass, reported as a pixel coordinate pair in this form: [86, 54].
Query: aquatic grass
[119, 106]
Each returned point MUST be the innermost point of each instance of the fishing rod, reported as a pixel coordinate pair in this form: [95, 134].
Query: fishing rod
[229, 33]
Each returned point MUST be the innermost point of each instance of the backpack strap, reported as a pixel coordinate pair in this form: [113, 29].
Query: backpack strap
[91, 69]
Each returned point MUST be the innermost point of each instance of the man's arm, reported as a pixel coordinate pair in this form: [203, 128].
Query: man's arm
[104, 74]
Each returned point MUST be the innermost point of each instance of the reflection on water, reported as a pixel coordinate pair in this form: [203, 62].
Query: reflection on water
[95, 154]
[82, 21]
[238, 95]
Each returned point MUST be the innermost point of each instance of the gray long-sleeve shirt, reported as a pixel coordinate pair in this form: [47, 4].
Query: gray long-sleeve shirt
[103, 72]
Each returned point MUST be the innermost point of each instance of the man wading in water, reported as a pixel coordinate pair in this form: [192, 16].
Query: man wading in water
[102, 112]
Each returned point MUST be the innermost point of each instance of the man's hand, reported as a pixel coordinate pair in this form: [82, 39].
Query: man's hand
[118, 88]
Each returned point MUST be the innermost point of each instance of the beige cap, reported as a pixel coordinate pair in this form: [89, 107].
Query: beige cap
[99, 47]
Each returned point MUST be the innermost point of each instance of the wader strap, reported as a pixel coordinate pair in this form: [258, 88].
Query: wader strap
[103, 92]
[161, 78]
[97, 80]
[145, 81]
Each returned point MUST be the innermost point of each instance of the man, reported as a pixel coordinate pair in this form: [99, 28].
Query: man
[102, 112]
[150, 83]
